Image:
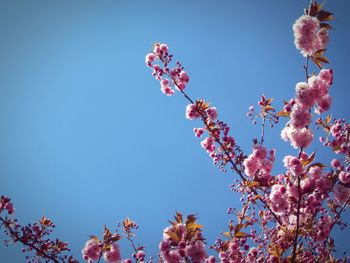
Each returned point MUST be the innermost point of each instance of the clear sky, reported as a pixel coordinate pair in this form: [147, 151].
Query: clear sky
[86, 136]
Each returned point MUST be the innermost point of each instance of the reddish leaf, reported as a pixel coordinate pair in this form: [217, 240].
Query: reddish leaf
[283, 114]
[326, 26]
[173, 236]
[178, 217]
[106, 234]
[227, 234]
[324, 16]
[308, 160]
[240, 234]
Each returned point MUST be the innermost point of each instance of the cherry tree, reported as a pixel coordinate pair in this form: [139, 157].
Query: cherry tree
[285, 217]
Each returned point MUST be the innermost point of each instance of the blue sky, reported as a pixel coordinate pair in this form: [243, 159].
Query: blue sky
[88, 139]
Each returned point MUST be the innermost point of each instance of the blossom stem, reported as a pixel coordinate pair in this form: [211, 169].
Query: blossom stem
[262, 130]
[306, 67]
[128, 237]
[295, 243]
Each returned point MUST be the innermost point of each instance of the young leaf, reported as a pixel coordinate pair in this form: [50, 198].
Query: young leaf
[309, 159]
[172, 235]
[106, 234]
[324, 16]
[328, 119]
[178, 217]
[227, 234]
[283, 114]
[326, 26]
[240, 234]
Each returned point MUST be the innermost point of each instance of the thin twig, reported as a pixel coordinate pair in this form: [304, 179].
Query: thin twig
[262, 130]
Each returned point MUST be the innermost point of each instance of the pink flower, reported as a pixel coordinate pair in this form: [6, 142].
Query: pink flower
[9, 207]
[293, 164]
[210, 259]
[278, 198]
[212, 113]
[208, 144]
[140, 255]
[164, 245]
[323, 228]
[6, 204]
[192, 112]
[184, 77]
[198, 132]
[167, 90]
[196, 251]
[292, 191]
[164, 82]
[250, 165]
[181, 85]
[92, 250]
[336, 129]
[163, 48]
[336, 164]
[160, 49]
[172, 256]
[324, 103]
[305, 94]
[112, 255]
[284, 133]
[259, 164]
[300, 138]
[300, 116]
[327, 75]
[259, 152]
[149, 59]
[308, 37]
[344, 177]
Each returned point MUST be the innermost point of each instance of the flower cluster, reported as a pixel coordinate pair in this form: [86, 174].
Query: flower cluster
[309, 36]
[167, 76]
[258, 165]
[5, 204]
[183, 240]
[226, 149]
[279, 198]
[311, 31]
[310, 94]
[108, 248]
[93, 249]
[220, 146]
[338, 138]
[240, 245]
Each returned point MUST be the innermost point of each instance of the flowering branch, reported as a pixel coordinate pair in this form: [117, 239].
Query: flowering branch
[33, 237]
